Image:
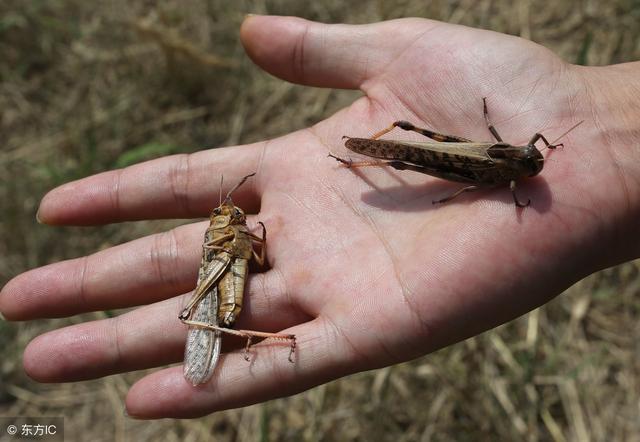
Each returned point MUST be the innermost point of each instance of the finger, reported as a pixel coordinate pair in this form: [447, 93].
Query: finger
[237, 383]
[317, 54]
[146, 337]
[139, 272]
[178, 186]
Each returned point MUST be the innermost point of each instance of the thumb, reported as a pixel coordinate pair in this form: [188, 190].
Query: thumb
[317, 54]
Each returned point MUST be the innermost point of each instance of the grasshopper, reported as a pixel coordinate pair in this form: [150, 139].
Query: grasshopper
[480, 164]
[217, 299]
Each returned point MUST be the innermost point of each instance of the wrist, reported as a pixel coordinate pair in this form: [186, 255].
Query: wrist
[610, 105]
[612, 95]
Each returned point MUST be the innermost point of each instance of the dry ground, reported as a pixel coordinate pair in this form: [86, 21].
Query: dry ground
[91, 86]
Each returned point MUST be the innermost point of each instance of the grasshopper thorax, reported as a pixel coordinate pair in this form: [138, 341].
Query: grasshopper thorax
[526, 160]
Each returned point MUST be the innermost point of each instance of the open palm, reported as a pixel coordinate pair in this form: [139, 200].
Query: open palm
[362, 267]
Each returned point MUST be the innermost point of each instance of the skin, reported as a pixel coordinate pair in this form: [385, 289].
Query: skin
[362, 267]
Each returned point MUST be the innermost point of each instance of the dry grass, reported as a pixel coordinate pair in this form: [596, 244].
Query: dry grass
[87, 87]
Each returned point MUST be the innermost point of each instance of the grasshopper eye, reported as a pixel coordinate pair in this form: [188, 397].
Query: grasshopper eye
[217, 211]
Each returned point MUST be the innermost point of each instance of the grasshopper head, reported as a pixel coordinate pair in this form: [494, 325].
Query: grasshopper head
[226, 214]
[532, 160]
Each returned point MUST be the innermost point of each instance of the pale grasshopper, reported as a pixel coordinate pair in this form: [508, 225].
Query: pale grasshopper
[217, 300]
[480, 164]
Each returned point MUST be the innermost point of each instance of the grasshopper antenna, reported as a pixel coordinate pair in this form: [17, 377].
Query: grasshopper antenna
[572, 127]
[228, 197]
[564, 134]
[220, 193]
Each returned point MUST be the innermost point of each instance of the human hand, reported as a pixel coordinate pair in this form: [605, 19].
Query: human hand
[363, 268]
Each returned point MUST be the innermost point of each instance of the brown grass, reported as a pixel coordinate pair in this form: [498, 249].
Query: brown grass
[88, 86]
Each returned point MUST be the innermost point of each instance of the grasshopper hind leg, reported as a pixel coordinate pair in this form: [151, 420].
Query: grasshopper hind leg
[350, 163]
[405, 125]
[512, 186]
[248, 335]
[457, 193]
[396, 164]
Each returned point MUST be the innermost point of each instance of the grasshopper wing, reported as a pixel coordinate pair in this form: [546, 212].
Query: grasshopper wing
[203, 346]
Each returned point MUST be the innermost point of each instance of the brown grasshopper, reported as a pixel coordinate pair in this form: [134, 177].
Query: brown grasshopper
[481, 164]
[217, 299]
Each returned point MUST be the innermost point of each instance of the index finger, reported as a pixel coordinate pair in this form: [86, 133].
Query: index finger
[178, 186]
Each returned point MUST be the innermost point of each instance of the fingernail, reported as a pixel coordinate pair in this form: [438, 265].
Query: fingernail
[38, 217]
[246, 16]
[2, 318]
